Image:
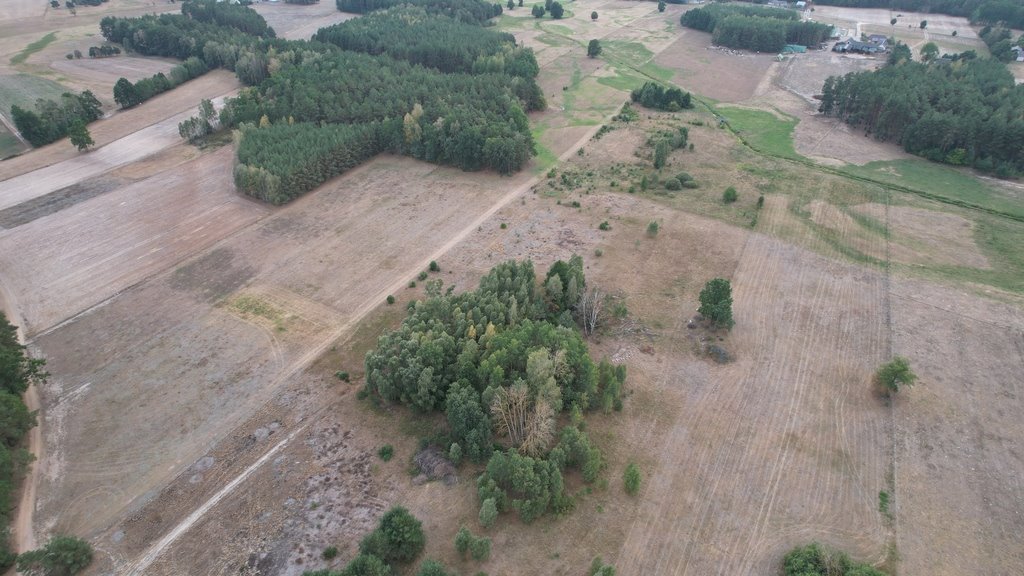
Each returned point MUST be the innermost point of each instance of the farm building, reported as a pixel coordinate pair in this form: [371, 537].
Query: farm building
[879, 40]
[852, 45]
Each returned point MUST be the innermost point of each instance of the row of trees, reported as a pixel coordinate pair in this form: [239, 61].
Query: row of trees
[52, 120]
[504, 360]
[412, 34]
[127, 94]
[968, 112]
[656, 96]
[17, 372]
[754, 27]
[464, 10]
[1010, 12]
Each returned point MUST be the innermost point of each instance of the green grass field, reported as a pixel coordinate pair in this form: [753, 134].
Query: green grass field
[23, 90]
[33, 48]
[940, 180]
[762, 131]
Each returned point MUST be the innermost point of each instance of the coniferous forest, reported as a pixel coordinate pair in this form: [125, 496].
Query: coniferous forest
[431, 83]
[965, 112]
[757, 28]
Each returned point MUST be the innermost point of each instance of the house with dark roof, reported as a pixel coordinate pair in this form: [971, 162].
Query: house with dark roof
[879, 40]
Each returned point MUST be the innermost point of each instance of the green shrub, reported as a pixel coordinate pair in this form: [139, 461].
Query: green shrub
[343, 376]
[683, 176]
[412, 283]
[673, 184]
[690, 184]
[631, 479]
[652, 229]
[330, 553]
[463, 538]
[488, 512]
[817, 560]
[398, 538]
[434, 267]
[605, 226]
[386, 452]
[760, 201]
[480, 549]
[390, 299]
[716, 302]
[730, 195]
[422, 276]
[892, 375]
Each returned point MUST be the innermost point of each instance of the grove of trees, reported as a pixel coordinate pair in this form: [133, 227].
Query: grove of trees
[17, 372]
[127, 94]
[966, 112]
[51, 120]
[61, 556]
[754, 27]
[502, 362]
[656, 96]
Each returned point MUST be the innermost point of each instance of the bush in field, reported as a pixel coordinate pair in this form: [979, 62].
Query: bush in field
[631, 479]
[729, 196]
[398, 539]
[895, 374]
[817, 560]
[716, 302]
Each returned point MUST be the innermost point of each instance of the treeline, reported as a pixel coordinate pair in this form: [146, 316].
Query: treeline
[127, 94]
[303, 2]
[1000, 42]
[103, 51]
[754, 27]
[507, 358]
[229, 15]
[17, 372]
[412, 34]
[968, 112]
[51, 119]
[652, 95]
[463, 10]
[1009, 12]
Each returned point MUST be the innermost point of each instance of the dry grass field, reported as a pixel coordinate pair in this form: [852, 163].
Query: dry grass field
[193, 423]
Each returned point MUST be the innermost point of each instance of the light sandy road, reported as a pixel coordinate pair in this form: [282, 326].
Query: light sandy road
[132, 148]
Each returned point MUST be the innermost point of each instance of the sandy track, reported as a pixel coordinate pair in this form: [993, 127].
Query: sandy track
[165, 109]
[786, 444]
[126, 150]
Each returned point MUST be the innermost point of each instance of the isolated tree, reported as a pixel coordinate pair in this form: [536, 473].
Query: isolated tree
[730, 195]
[892, 375]
[79, 135]
[593, 15]
[511, 5]
[661, 150]
[631, 479]
[594, 48]
[557, 11]
[929, 51]
[537, 11]
[716, 302]
[924, 24]
[661, 6]
[652, 229]
[398, 538]
[892, 22]
[62, 556]
[463, 538]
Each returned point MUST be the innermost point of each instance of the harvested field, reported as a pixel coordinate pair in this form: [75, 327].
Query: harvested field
[109, 70]
[725, 75]
[300, 22]
[131, 135]
[959, 459]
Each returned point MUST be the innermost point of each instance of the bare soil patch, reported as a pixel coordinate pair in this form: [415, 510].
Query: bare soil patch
[110, 70]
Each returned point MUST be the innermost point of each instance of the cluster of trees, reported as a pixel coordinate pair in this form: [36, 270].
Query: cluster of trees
[464, 10]
[61, 556]
[228, 15]
[968, 112]
[17, 372]
[1000, 42]
[127, 94]
[653, 95]
[817, 560]
[1010, 12]
[103, 51]
[504, 358]
[664, 142]
[52, 120]
[754, 27]
[175, 36]
[412, 34]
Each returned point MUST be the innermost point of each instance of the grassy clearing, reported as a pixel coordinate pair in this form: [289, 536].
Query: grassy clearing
[33, 48]
[939, 180]
[762, 131]
[24, 89]
[9, 144]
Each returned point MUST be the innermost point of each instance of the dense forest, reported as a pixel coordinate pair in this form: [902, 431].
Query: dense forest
[51, 119]
[463, 10]
[965, 112]
[754, 27]
[504, 357]
[17, 372]
[441, 90]
[229, 15]
[1010, 12]
[412, 34]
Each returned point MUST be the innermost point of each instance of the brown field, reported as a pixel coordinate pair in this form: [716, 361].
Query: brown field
[193, 424]
[110, 70]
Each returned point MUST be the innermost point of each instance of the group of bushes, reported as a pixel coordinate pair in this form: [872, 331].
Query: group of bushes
[754, 27]
[127, 94]
[652, 95]
[104, 51]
